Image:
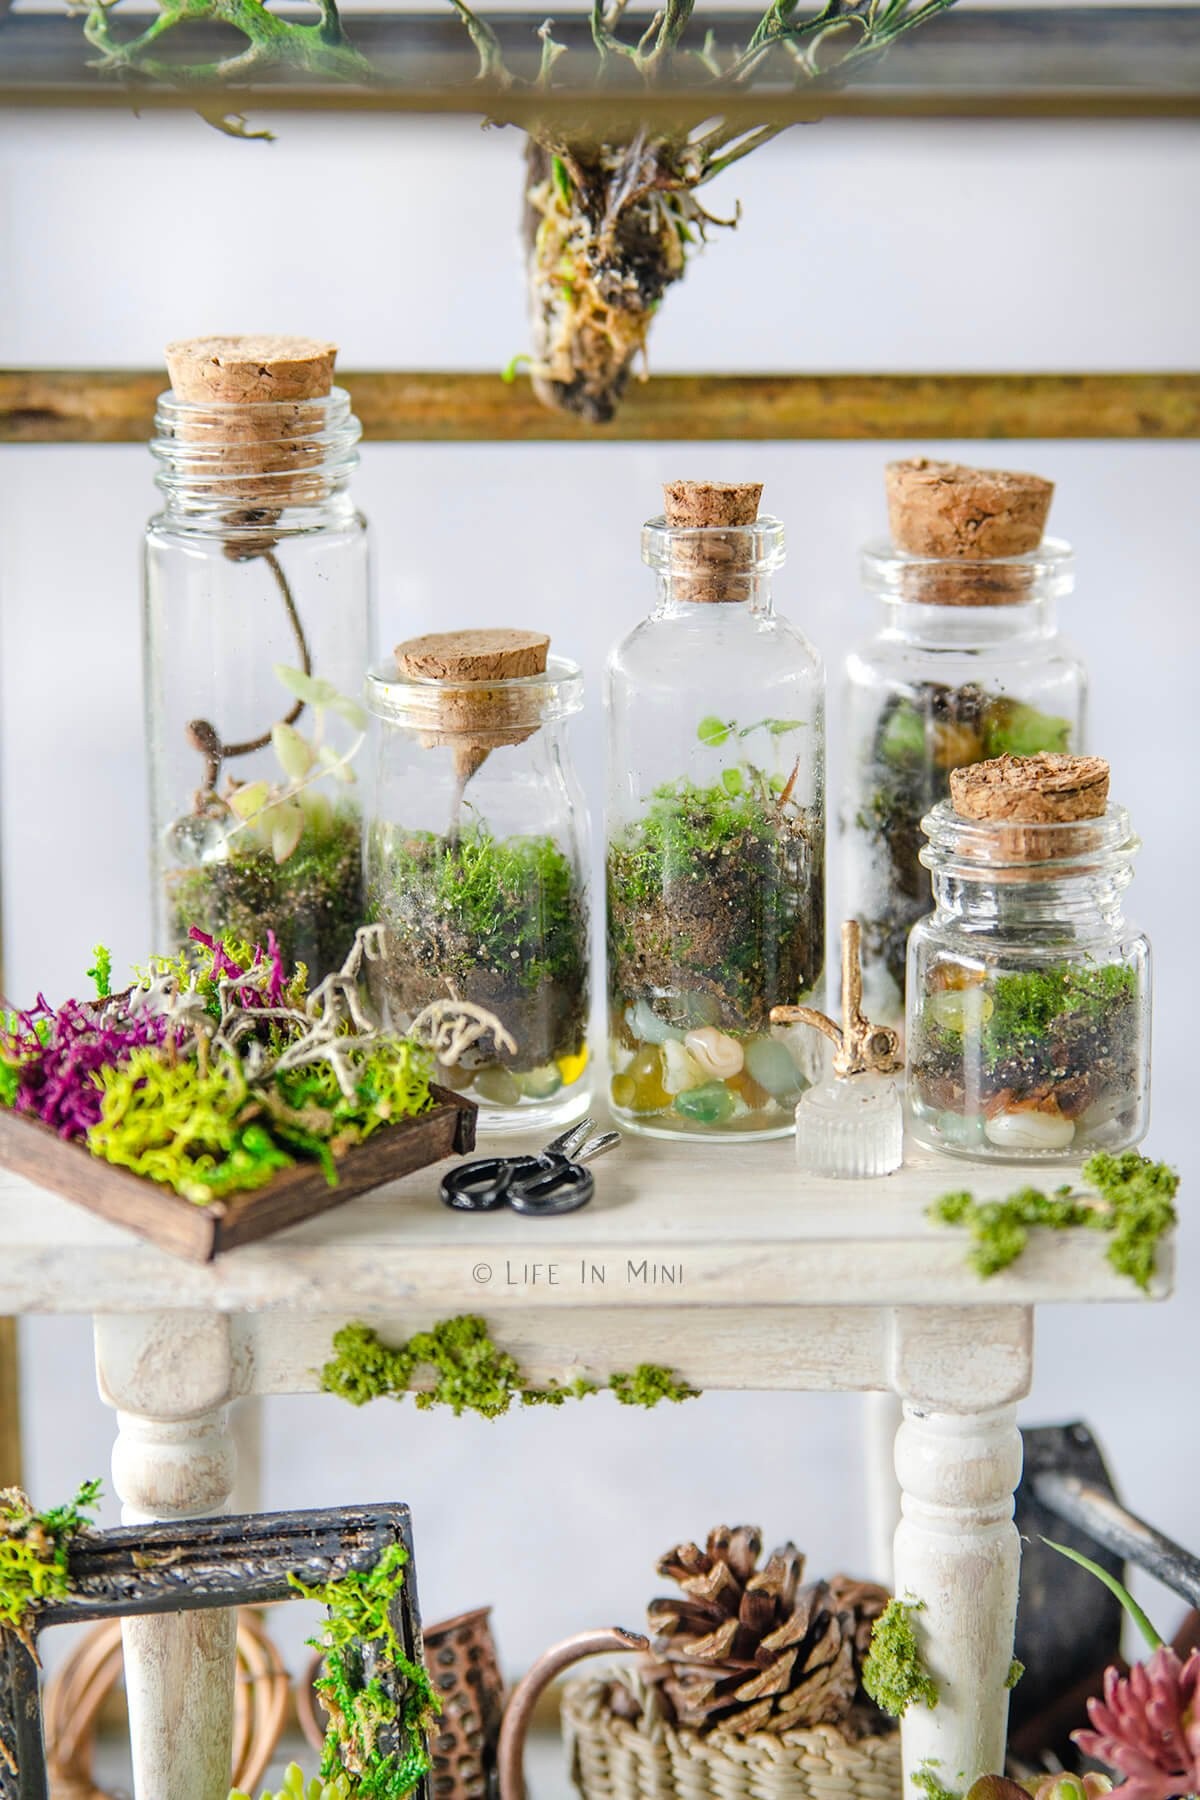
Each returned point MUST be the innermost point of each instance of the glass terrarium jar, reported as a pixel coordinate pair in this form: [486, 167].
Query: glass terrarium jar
[257, 635]
[967, 663]
[1028, 991]
[715, 831]
[476, 861]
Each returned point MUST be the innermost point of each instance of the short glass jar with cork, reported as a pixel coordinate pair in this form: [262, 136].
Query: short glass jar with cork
[257, 633]
[715, 830]
[1028, 991]
[476, 861]
[967, 664]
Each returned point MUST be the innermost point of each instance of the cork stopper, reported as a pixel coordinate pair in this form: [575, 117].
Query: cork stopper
[949, 512]
[1023, 791]
[716, 567]
[240, 371]
[253, 413]
[473, 716]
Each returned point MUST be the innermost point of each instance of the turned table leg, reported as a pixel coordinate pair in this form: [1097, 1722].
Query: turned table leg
[169, 1378]
[957, 1553]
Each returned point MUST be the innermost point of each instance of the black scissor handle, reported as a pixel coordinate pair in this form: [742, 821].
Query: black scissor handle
[561, 1189]
[486, 1183]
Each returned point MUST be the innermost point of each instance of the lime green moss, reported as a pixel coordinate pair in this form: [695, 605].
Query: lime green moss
[894, 1673]
[359, 1613]
[1016, 1669]
[471, 1373]
[184, 1127]
[1133, 1202]
[33, 1552]
[926, 1779]
[101, 971]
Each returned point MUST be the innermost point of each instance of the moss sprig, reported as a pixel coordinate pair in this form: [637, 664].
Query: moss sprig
[359, 1611]
[471, 1373]
[34, 1548]
[1133, 1202]
[894, 1673]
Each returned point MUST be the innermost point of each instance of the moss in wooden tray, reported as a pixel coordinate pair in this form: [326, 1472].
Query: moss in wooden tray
[312, 901]
[920, 738]
[215, 1070]
[501, 922]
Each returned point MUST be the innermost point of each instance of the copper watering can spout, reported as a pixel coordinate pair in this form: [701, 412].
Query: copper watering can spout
[519, 1711]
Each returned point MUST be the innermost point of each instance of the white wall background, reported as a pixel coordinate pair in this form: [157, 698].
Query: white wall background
[861, 247]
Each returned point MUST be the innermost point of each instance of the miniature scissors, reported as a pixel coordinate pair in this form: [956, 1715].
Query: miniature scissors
[552, 1182]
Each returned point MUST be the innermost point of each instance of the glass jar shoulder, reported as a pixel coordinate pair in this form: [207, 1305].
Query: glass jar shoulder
[214, 533]
[890, 661]
[725, 642]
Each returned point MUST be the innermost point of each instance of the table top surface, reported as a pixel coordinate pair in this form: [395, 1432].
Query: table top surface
[673, 1223]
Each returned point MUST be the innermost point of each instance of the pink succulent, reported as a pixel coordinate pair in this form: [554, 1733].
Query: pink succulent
[1147, 1727]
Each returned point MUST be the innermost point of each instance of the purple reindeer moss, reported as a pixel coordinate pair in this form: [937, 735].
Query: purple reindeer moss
[58, 1051]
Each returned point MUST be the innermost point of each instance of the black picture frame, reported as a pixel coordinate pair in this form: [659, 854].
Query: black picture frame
[230, 1561]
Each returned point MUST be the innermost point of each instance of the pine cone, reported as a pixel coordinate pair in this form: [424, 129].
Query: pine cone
[757, 1649]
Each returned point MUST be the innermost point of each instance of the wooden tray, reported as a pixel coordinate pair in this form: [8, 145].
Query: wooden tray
[202, 1232]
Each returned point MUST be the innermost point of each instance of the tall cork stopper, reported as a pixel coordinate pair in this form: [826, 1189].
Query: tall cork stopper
[256, 413]
[717, 566]
[949, 512]
[1046, 789]
[473, 715]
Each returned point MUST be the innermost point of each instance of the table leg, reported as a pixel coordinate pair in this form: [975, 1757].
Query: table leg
[958, 1555]
[174, 1459]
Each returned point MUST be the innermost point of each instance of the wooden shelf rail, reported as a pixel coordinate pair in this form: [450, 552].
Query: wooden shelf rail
[1023, 62]
[77, 406]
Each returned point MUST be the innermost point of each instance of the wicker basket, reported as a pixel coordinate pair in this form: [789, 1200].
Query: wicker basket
[612, 1758]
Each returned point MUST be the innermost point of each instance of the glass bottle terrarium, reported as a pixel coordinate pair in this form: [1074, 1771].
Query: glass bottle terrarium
[476, 861]
[257, 627]
[716, 829]
[1028, 991]
[967, 664]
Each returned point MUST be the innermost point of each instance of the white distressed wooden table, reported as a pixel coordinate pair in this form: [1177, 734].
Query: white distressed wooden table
[713, 1260]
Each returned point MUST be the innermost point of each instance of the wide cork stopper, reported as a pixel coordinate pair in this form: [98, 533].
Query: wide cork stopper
[240, 371]
[255, 408]
[1047, 789]
[474, 716]
[949, 512]
[718, 566]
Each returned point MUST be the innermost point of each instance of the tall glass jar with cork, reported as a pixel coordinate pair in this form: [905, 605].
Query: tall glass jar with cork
[257, 629]
[967, 664]
[476, 861]
[1028, 990]
[715, 831]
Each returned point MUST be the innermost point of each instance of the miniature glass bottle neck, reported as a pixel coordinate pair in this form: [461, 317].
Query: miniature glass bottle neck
[676, 596]
[234, 471]
[1081, 903]
[968, 627]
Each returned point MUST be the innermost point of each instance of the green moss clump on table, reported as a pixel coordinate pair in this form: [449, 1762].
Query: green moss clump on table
[471, 1373]
[1133, 1202]
[894, 1673]
[501, 921]
[33, 1552]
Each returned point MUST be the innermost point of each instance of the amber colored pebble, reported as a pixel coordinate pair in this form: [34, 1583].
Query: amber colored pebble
[646, 1070]
[755, 1096]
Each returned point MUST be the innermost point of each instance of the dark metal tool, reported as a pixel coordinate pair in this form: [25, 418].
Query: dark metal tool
[541, 1186]
[1068, 1624]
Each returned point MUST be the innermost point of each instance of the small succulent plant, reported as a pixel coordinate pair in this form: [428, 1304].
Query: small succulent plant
[274, 814]
[296, 1788]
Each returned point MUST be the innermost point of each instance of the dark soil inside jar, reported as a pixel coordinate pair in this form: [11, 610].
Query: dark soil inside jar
[921, 736]
[716, 898]
[1058, 1039]
[313, 901]
[502, 923]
